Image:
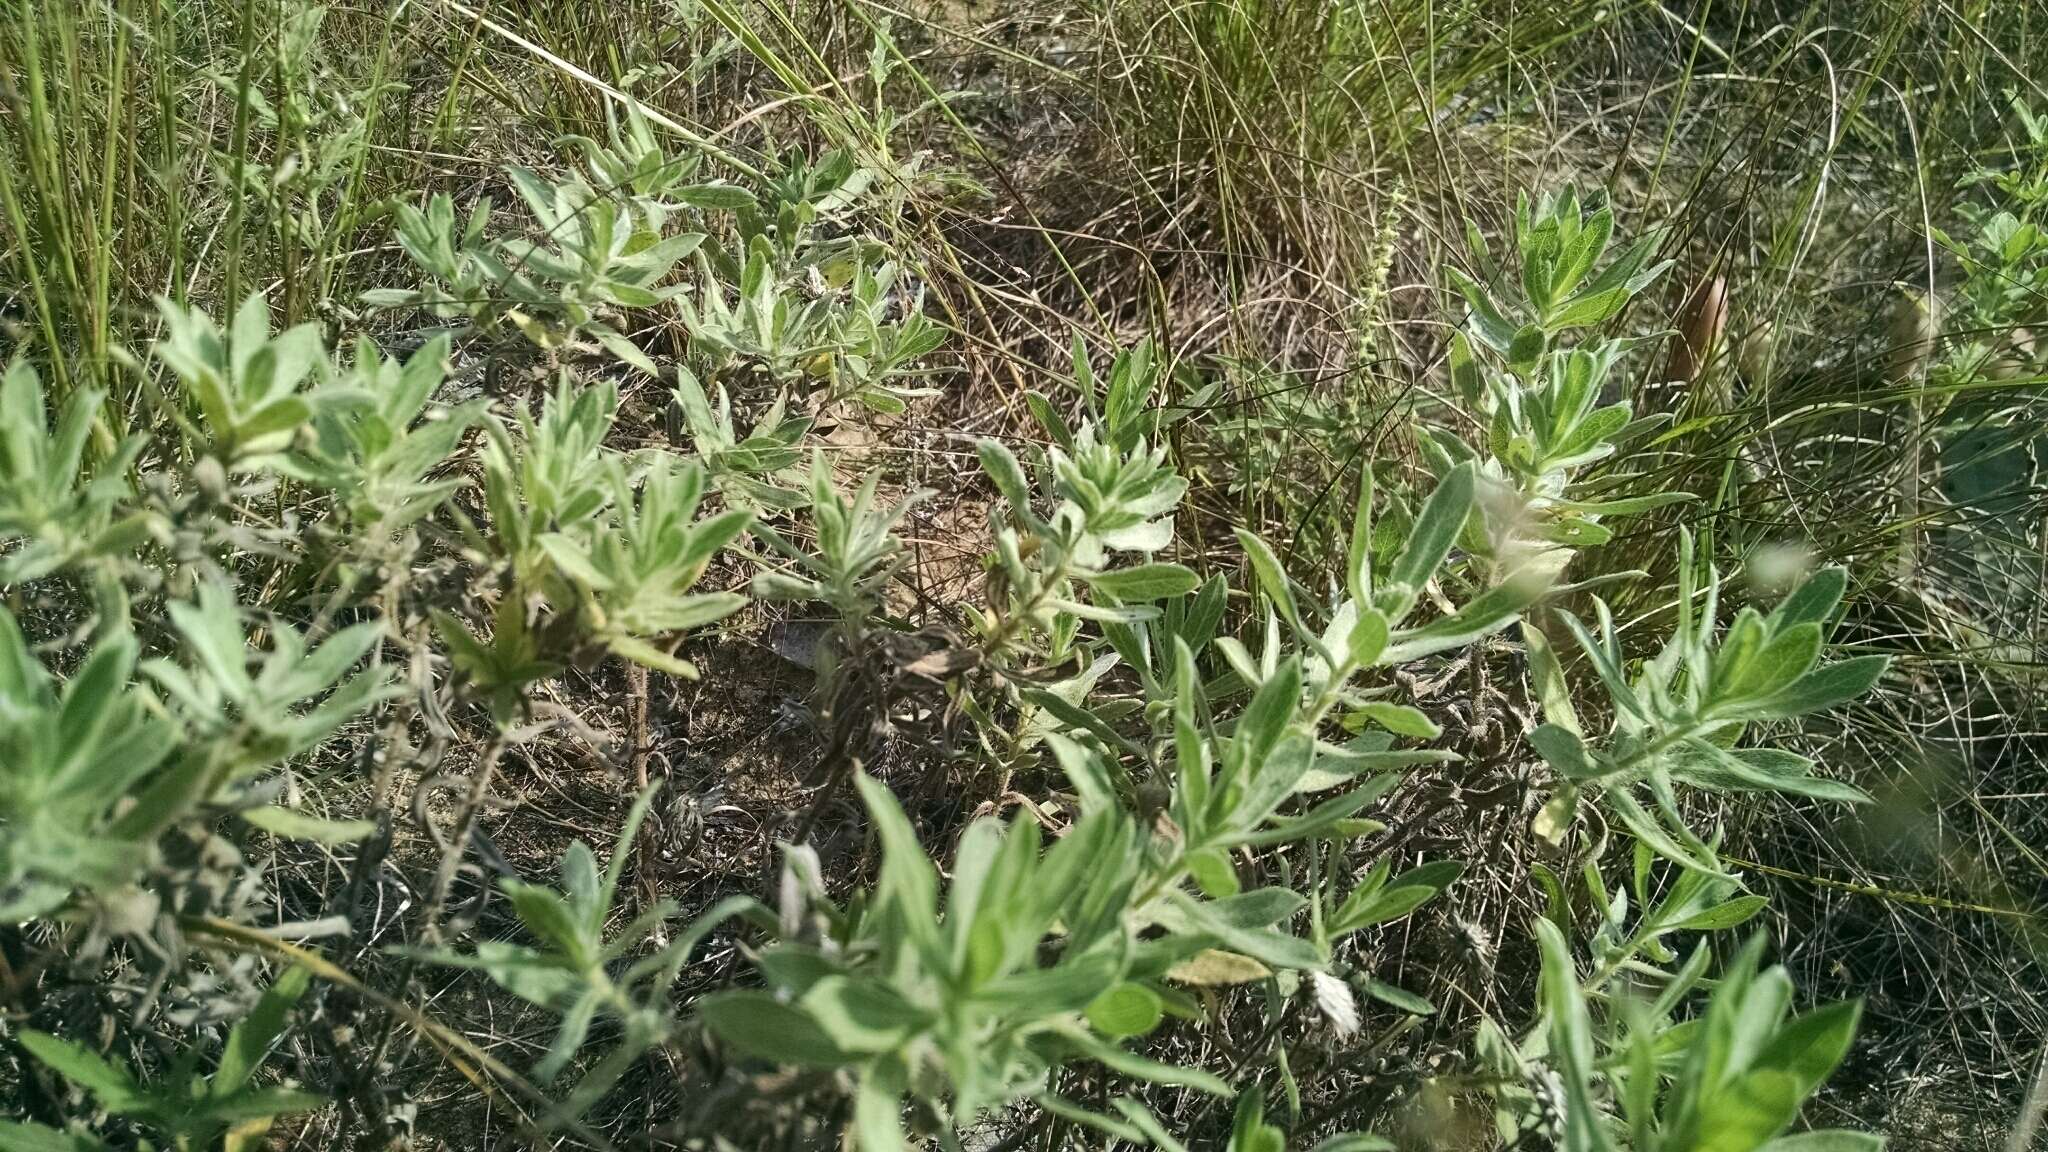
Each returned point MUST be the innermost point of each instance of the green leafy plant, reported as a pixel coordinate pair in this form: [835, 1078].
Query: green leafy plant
[794, 332]
[379, 454]
[753, 469]
[52, 514]
[247, 705]
[580, 974]
[503, 666]
[633, 569]
[1679, 718]
[856, 551]
[1984, 341]
[599, 256]
[631, 163]
[611, 549]
[792, 206]
[464, 271]
[99, 770]
[543, 475]
[1738, 1072]
[73, 757]
[2004, 258]
[190, 1109]
[1537, 397]
[957, 1005]
[1108, 500]
[247, 384]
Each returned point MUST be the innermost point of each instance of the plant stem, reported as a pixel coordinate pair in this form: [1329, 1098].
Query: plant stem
[452, 851]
